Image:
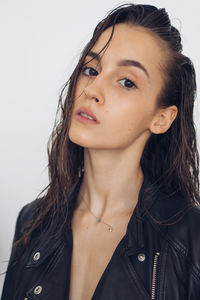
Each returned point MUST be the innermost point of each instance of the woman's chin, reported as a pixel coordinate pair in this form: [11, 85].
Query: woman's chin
[80, 141]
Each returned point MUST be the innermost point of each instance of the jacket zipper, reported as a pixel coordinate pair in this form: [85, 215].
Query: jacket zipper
[154, 276]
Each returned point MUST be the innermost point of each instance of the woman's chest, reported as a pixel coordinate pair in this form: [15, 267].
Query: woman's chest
[86, 271]
[91, 253]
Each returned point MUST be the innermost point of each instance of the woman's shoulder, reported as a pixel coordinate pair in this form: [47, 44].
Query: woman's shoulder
[175, 209]
[186, 229]
[180, 226]
[178, 221]
[25, 216]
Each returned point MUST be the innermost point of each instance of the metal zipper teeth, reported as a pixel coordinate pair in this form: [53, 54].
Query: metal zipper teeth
[153, 288]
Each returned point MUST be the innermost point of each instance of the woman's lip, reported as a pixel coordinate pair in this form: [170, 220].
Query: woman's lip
[88, 112]
[85, 120]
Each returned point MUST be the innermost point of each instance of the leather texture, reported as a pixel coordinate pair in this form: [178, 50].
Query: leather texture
[152, 261]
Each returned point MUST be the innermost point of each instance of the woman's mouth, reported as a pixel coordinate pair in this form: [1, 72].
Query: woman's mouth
[84, 118]
[85, 115]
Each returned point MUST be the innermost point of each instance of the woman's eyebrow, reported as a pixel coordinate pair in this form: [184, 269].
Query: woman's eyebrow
[123, 62]
[94, 55]
[134, 63]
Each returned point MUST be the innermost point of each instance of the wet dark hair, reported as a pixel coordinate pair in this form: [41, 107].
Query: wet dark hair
[171, 159]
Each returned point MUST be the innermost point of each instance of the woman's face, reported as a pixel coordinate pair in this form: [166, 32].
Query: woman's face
[126, 79]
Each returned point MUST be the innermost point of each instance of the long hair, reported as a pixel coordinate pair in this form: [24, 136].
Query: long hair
[171, 158]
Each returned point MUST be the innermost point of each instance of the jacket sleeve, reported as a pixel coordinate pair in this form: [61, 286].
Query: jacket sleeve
[10, 278]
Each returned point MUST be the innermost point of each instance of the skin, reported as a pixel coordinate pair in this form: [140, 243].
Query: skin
[128, 116]
[113, 148]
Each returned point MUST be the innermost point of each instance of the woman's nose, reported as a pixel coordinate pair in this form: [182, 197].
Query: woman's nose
[93, 97]
[94, 90]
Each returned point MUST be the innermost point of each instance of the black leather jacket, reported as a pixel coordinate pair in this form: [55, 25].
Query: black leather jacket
[151, 261]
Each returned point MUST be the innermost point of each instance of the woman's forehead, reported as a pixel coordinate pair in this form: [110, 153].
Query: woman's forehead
[129, 40]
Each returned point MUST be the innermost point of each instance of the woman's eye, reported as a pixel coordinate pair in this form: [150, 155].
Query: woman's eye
[88, 71]
[127, 83]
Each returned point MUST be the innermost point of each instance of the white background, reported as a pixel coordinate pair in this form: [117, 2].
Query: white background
[40, 44]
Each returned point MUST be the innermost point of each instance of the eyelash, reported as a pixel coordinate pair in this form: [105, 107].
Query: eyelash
[126, 78]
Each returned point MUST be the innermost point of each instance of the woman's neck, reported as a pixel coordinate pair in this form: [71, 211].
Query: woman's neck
[111, 186]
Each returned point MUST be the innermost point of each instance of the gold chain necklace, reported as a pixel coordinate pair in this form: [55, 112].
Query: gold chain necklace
[110, 228]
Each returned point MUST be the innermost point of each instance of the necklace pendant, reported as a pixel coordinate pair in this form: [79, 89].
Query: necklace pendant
[99, 220]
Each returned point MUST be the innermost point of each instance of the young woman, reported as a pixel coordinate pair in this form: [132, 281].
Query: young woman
[120, 218]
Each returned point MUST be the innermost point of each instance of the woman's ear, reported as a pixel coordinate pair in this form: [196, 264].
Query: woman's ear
[163, 119]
